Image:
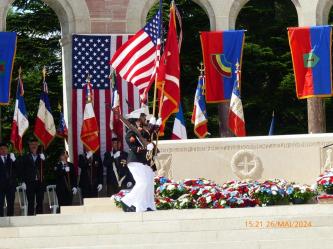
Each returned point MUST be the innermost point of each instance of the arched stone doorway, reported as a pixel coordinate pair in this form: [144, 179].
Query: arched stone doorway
[137, 12]
[74, 18]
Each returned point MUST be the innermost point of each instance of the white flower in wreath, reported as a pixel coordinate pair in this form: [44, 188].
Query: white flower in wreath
[208, 199]
[171, 187]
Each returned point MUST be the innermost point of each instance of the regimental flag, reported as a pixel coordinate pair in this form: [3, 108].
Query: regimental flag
[7, 54]
[221, 50]
[135, 61]
[236, 114]
[62, 130]
[91, 54]
[115, 123]
[20, 119]
[312, 60]
[168, 73]
[272, 126]
[89, 132]
[44, 129]
[199, 115]
[179, 126]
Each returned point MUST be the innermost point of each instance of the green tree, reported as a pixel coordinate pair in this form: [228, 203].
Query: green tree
[267, 77]
[38, 31]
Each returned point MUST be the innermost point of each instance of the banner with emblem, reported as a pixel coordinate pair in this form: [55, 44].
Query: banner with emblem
[7, 54]
[221, 50]
[312, 60]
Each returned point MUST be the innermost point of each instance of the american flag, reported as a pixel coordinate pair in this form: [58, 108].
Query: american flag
[136, 60]
[91, 55]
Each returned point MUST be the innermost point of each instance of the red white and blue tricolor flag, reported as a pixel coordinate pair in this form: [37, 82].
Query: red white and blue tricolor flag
[136, 60]
[44, 128]
[221, 50]
[115, 123]
[20, 120]
[179, 126]
[89, 132]
[312, 60]
[62, 130]
[199, 115]
[91, 55]
[236, 114]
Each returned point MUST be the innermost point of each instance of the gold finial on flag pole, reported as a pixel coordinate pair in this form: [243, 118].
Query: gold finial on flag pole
[201, 69]
[44, 73]
[20, 72]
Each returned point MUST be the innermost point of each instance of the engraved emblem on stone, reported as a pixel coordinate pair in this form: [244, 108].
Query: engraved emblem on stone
[246, 165]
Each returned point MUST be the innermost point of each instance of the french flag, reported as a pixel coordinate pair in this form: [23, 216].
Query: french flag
[62, 130]
[20, 120]
[45, 129]
[89, 132]
[236, 114]
[179, 128]
[199, 115]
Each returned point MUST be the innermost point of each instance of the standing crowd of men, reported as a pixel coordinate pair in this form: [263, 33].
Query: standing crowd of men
[29, 172]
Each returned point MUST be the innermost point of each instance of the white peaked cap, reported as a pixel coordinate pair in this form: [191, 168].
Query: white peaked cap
[137, 113]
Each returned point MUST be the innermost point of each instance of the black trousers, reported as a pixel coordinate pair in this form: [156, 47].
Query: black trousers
[89, 191]
[35, 189]
[112, 189]
[9, 193]
[65, 197]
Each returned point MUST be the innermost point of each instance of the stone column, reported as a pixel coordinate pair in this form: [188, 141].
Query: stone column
[308, 16]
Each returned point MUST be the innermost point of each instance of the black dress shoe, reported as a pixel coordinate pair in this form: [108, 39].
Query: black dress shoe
[124, 207]
[149, 209]
[132, 209]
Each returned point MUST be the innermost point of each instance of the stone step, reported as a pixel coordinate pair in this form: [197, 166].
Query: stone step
[274, 244]
[251, 214]
[233, 228]
[276, 237]
[95, 227]
[97, 201]
[110, 208]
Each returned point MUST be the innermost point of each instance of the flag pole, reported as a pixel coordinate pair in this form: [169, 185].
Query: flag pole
[44, 74]
[160, 45]
[0, 124]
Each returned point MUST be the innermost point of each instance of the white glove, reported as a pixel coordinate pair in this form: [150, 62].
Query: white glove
[129, 185]
[67, 169]
[99, 187]
[152, 121]
[159, 122]
[12, 157]
[117, 154]
[89, 154]
[42, 156]
[74, 190]
[150, 147]
[24, 186]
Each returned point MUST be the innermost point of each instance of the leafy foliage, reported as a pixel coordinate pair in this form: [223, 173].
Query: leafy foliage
[38, 31]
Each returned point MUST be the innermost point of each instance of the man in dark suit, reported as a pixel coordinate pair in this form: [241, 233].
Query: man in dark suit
[65, 180]
[32, 175]
[91, 177]
[8, 180]
[118, 175]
